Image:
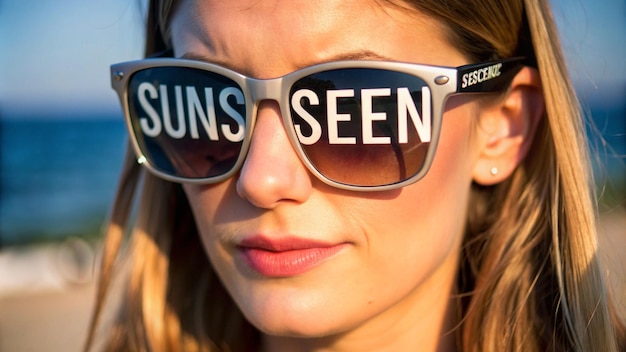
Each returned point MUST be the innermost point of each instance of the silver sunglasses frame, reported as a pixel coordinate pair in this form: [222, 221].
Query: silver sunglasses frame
[443, 82]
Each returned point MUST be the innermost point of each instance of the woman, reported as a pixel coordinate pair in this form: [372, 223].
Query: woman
[320, 180]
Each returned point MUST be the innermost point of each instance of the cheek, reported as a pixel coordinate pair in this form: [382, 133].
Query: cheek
[457, 150]
[445, 189]
[450, 175]
[207, 203]
[213, 205]
[426, 221]
[215, 209]
[202, 201]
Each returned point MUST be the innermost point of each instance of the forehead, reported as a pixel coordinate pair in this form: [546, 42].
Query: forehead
[266, 38]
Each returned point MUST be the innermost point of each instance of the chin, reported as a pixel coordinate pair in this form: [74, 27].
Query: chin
[300, 330]
[297, 323]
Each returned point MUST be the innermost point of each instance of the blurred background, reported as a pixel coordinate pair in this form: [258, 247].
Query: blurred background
[62, 139]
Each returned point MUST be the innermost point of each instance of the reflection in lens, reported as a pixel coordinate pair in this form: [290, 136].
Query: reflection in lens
[367, 165]
[194, 158]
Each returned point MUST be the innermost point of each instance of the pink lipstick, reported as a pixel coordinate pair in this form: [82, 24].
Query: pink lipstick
[286, 256]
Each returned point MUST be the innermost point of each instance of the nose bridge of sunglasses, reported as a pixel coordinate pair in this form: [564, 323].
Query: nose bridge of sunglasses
[264, 89]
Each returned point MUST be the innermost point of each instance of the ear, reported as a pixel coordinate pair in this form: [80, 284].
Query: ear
[507, 127]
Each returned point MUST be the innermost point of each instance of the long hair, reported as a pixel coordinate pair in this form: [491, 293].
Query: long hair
[530, 274]
[529, 277]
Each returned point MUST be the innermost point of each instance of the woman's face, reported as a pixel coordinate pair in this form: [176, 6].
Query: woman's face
[303, 259]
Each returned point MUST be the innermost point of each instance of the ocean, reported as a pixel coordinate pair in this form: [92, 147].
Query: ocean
[58, 175]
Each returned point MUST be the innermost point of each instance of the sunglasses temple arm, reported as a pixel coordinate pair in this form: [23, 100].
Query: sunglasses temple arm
[488, 77]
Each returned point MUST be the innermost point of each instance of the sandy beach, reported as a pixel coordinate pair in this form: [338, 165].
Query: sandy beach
[46, 293]
[48, 310]
[51, 321]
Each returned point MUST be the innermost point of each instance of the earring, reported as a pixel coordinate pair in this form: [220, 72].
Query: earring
[494, 171]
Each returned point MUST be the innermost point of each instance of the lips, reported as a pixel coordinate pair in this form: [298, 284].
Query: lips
[286, 256]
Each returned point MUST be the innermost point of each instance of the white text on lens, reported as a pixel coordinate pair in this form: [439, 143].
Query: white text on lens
[405, 105]
[153, 124]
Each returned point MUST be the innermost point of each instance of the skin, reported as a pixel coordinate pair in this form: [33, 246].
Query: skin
[390, 286]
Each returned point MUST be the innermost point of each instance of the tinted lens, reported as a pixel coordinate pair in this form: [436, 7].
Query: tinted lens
[363, 127]
[187, 122]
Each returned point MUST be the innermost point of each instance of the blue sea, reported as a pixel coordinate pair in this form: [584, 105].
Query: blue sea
[58, 175]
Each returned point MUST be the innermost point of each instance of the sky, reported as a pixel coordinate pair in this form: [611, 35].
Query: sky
[56, 54]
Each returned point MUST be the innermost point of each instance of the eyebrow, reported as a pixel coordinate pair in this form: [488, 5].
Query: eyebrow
[205, 58]
[359, 55]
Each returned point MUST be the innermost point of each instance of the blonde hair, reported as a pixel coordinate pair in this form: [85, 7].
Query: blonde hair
[529, 279]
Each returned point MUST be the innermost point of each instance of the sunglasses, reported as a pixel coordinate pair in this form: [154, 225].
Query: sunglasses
[356, 125]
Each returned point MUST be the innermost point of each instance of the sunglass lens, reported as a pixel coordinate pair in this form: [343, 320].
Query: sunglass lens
[188, 123]
[361, 126]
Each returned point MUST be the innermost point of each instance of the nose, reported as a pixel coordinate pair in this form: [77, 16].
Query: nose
[272, 172]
